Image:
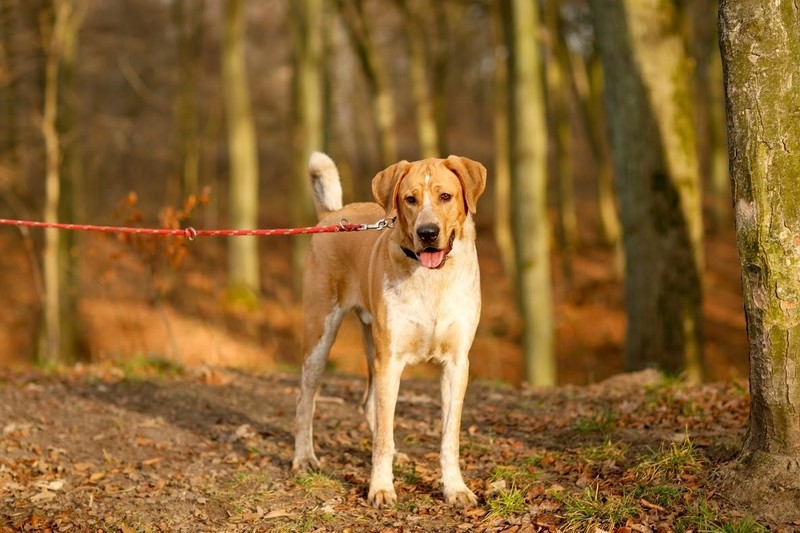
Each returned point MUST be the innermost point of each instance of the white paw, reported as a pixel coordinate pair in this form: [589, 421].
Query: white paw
[380, 498]
[301, 463]
[460, 496]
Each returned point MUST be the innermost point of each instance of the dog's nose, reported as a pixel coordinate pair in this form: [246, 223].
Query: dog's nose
[428, 233]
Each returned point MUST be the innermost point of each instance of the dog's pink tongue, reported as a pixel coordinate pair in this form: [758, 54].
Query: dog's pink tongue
[431, 259]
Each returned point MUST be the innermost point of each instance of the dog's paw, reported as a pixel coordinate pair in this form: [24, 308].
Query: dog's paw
[460, 496]
[381, 498]
[305, 462]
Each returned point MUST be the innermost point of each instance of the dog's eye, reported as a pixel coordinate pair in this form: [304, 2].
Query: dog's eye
[411, 200]
[445, 197]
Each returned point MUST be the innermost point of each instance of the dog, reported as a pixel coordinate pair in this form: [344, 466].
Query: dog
[415, 288]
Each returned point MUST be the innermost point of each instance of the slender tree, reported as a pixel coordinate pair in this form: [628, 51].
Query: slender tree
[187, 18]
[760, 54]
[501, 177]
[529, 186]
[308, 127]
[57, 27]
[427, 131]
[243, 265]
[383, 106]
[647, 93]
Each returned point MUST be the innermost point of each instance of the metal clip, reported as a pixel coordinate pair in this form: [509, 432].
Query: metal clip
[380, 224]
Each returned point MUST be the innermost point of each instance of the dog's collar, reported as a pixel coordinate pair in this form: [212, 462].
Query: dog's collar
[413, 255]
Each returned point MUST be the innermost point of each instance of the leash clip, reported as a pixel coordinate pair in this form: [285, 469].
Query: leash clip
[380, 224]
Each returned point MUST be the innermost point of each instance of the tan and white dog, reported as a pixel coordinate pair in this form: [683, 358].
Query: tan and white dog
[415, 288]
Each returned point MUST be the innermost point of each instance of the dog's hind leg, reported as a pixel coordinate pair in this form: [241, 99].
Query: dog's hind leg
[368, 399]
[319, 333]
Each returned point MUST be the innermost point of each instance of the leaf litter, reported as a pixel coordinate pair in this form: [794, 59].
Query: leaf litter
[87, 449]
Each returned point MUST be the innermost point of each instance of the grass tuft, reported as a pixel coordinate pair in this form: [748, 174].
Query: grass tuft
[508, 502]
[670, 463]
[592, 509]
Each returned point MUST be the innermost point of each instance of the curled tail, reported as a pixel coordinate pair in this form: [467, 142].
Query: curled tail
[325, 183]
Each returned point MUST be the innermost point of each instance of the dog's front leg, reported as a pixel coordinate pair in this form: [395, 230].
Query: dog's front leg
[387, 384]
[454, 386]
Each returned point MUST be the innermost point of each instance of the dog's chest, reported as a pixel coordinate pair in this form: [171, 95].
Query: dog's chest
[432, 315]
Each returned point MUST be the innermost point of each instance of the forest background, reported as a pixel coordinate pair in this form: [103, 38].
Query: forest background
[202, 113]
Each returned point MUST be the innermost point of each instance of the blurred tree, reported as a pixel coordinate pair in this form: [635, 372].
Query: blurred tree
[647, 93]
[586, 75]
[529, 186]
[760, 55]
[383, 106]
[8, 85]
[427, 131]
[503, 232]
[70, 205]
[561, 133]
[243, 266]
[59, 23]
[703, 45]
[308, 128]
[187, 17]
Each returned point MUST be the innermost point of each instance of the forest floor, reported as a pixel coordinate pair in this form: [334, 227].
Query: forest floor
[153, 447]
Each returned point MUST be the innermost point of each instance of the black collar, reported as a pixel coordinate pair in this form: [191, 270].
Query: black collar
[409, 253]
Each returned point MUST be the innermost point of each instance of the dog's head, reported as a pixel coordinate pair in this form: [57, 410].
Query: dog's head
[431, 199]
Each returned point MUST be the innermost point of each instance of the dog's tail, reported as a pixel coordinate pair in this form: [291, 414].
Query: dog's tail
[325, 182]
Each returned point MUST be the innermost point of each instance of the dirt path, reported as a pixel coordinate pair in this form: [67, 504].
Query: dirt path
[95, 449]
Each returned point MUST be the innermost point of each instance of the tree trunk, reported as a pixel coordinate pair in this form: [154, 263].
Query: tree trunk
[243, 266]
[647, 93]
[71, 187]
[529, 175]
[561, 134]
[308, 128]
[760, 52]
[188, 20]
[9, 135]
[383, 105]
[54, 26]
[503, 232]
[420, 87]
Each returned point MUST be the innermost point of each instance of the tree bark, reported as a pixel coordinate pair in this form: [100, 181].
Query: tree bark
[529, 175]
[308, 127]
[243, 266]
[760, 52]
[188, 20]
[427, 132]
[383, 105]
[503, 231]
[647, 95]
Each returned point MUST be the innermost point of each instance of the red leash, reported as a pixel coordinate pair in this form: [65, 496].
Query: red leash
[191, 233]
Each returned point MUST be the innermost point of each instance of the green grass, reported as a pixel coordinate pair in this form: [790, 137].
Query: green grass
[313, 480]
[703, 519]
[407, 473]
[593, 509]
[670, 463]
[507, 502]
[609, 451]
[145, 366]
[603, 422]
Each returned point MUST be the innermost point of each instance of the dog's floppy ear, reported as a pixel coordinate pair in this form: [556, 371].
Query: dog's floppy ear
[472, 176]
[385, 182]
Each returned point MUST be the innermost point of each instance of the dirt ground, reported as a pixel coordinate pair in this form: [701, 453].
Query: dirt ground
[152, 448]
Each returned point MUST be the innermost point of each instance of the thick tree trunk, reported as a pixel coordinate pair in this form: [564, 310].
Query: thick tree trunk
[243, 266]
[655, 158]
[761, 59]
[529, 175]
